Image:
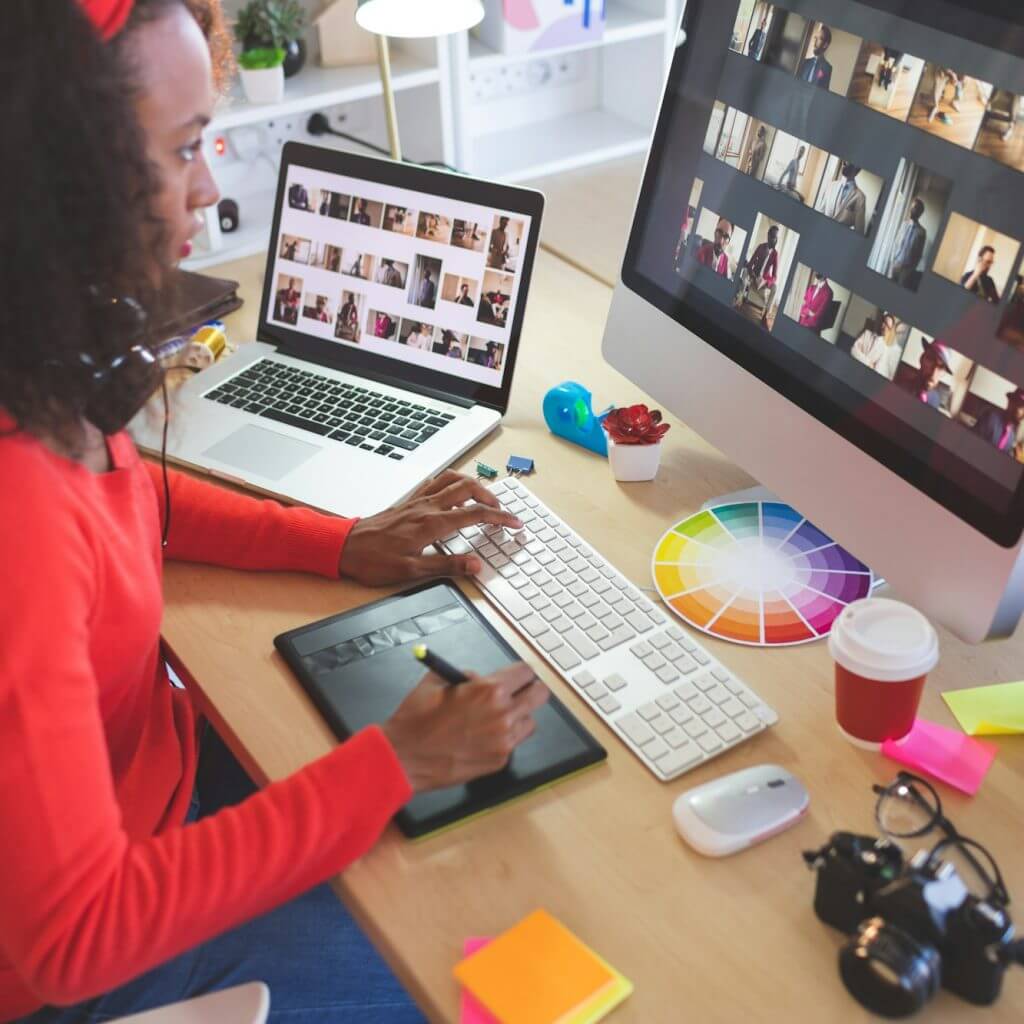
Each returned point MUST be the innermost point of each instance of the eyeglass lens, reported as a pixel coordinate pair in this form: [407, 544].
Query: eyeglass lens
[906, 809]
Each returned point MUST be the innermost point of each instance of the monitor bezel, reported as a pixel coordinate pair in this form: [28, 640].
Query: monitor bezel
[1003, 528]
[447, 185]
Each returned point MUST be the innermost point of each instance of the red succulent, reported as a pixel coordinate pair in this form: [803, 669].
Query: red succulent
[635, 424]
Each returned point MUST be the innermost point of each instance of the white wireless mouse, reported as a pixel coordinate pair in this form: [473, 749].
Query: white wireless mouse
[729, 814]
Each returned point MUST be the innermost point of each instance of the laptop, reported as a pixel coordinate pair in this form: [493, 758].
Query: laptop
[392, 307]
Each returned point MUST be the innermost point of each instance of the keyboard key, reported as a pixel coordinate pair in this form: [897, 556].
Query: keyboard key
[699, 706]
[619, 635]
[584, 678]
[667, 674]
[701, 658]
[459, 546]
[675, 737]
[549, 642]
[609, 705]
[615, 682]
[657, 748]
[565, 658]
[638, 622]
[648, 711]
[296, 421]
[562, 624]
[709, 743]
[747, 722]
[667, 701]
[642, 649]
[534, 625]
[582, 644]
[595, 690]
[562, 599]
[718, 694]
[654, 661]
[727, 732]
[635, 728]
[686, 691]
[694, 728]
[732, 707]
[551, 612]
[681, 714]
[720, 674]
[659, 641]
[601, 586]
[672, 650]
[680, 759]
[714, 718]
[585, 621]
[685, 664]
[402, 442]
[661, 723]
[597, 632]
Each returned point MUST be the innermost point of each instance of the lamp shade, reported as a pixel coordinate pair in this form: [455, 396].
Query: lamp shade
[418, 19]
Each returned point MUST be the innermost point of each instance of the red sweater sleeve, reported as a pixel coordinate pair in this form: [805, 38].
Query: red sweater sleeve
[84, 905]
[211, 524]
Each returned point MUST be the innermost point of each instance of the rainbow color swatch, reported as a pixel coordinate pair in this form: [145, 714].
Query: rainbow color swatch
[756, 572]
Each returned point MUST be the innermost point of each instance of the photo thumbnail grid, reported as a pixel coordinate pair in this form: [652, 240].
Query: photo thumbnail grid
[419, 280]
[946, 102]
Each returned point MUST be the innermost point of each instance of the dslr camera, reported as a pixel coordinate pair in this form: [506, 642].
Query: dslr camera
[913, 926]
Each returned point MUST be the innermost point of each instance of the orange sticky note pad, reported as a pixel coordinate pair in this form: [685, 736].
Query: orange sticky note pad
[537, 972]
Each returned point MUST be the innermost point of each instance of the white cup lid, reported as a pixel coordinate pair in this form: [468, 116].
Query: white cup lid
[882, 639]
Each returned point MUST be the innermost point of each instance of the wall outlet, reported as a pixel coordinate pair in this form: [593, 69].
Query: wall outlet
[523, 77]
[281, 130]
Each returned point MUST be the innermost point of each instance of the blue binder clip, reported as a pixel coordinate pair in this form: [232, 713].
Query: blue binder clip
[568, 413]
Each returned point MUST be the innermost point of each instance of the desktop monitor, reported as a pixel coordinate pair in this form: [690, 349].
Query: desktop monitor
[823, 277]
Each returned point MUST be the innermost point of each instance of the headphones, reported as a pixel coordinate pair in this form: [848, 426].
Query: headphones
[117, 390]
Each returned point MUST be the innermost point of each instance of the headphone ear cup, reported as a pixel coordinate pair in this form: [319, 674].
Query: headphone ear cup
[122, 389]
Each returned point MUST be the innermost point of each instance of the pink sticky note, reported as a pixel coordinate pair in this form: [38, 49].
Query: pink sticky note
[472, 1012]
[950, 756]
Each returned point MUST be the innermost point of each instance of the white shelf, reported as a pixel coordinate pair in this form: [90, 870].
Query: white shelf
[316, 87]
[622, 24]
[561, 144]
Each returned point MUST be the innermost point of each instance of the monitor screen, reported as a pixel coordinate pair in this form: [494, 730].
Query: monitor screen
[835, 200]
[409, 277]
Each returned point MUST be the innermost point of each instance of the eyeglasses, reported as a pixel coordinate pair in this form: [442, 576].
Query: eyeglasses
[724, 234]
[910, 807]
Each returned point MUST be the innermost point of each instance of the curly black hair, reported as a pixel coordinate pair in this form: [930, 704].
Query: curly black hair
[76, 228]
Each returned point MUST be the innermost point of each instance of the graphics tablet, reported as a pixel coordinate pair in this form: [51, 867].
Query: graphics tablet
[358, 666]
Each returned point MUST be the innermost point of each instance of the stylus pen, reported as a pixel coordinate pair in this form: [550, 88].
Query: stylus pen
[449, 673]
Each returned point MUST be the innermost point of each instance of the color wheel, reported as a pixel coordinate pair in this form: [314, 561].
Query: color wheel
[756, 572]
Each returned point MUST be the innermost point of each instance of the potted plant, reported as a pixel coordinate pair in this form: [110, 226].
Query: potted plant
[262, 72]
[271, 25]
[634, 442]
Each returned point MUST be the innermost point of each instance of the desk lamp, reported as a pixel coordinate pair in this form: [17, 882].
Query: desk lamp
[410, 19]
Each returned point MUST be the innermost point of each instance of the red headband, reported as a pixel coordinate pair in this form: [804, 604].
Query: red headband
[108, 16]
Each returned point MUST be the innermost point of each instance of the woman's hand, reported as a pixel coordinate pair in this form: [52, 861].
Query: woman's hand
[444, 735]
[388, 547]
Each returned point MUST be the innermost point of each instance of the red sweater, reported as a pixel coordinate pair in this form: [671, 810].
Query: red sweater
[99, 880]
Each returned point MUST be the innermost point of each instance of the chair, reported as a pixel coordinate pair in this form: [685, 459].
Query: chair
[242, 1004]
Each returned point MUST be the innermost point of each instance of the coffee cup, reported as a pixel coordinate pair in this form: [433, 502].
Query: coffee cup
[883, 650]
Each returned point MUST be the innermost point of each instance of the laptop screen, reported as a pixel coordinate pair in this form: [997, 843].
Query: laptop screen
[410, 276]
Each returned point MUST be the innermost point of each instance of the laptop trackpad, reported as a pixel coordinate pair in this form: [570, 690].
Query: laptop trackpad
[260, 451]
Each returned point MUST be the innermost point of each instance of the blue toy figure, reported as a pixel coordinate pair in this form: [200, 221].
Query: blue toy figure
[568, 414]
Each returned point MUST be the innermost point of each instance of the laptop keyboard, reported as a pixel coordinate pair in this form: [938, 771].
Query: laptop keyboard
[343, 412]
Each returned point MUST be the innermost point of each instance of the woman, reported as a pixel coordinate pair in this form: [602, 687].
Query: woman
[878, 349]
[113, 898]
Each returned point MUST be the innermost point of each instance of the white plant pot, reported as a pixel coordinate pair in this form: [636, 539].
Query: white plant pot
[632, 462]
[263, 86]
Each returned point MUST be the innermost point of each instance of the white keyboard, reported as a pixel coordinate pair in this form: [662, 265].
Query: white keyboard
[665, 697]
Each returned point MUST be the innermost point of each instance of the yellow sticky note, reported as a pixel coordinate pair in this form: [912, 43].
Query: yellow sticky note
[538, 972]
[989, 710]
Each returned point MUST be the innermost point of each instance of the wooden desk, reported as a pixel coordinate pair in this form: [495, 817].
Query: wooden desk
[703, 940]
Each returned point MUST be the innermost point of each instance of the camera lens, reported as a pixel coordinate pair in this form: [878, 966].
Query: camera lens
[887, 971]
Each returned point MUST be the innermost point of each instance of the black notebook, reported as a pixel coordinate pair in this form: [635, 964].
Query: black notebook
[358, 666]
